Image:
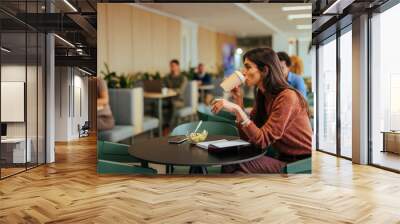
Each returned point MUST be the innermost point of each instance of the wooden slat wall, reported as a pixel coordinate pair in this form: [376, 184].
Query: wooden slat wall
[210, 47]
[131, 39]
[92, 116]
[207, 45]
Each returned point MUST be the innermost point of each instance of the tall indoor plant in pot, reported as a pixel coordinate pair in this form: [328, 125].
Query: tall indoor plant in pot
[126, 99]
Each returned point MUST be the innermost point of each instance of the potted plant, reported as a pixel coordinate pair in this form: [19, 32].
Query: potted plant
[110, 77]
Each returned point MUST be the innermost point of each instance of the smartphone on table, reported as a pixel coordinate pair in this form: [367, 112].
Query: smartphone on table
[177, 139]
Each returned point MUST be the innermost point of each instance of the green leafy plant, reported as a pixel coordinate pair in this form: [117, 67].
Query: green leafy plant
[110, 77]
[120, 81]
[191, 74]
[149, 76]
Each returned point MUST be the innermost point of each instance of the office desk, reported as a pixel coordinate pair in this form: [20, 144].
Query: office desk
[13, 150]
[159, 97]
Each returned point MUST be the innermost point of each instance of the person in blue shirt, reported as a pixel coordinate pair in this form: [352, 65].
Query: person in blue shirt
[294, 80]
[202, 76]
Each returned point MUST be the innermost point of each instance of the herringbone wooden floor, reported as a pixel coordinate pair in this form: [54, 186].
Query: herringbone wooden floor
[70, 191]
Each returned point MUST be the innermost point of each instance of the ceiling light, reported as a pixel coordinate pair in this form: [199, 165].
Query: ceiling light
[299, 16]
[239, 51]
[337, 7]
[70, 5]
[304, 27]
[84, 71]
[5, 50]
[65, 41]
[296, 8]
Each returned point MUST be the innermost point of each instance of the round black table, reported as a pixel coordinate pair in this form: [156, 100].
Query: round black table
[158, 150]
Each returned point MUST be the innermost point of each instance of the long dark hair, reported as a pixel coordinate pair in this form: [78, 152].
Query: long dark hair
[274, 80]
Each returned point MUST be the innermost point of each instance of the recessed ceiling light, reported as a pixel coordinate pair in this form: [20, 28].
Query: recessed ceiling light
[296, 8]
[70, 5]
[5, 50]
[299, 16]
[304, 27]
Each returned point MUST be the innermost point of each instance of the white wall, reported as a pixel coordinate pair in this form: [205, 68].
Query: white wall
[288, 45]
[306, 56]
[71, 102]
[280, 43]
[189, 49]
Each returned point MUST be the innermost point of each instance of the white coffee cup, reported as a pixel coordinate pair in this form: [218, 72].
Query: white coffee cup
[164, 91]
[235, 79]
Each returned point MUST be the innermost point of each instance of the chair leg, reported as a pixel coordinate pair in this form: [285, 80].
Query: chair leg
[191, 170]
[131, 140]
[204, 170]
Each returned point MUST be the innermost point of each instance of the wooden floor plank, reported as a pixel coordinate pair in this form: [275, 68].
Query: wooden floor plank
[70, 191]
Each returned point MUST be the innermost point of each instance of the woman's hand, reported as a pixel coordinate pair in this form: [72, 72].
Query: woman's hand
[237, 96]
[220, 104]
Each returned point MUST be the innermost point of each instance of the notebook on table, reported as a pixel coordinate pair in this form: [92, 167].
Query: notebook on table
[222, 145]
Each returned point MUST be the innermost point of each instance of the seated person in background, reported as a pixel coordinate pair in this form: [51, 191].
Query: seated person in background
[297, 66]
[201, 75]
[105, 119]
[204, 79]
[293, 79]
[176, 81]
[279, 118]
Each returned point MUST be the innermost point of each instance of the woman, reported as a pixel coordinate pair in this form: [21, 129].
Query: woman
[105, 119]
[279, 118]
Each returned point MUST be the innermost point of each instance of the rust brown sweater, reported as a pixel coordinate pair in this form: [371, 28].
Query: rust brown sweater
[287, 128]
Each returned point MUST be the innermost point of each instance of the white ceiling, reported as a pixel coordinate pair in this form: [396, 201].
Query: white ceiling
[231, 19]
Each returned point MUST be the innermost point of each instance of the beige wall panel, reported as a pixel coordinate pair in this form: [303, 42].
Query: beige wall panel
[142, 48]
[119, 37]
[133, 40]
[102, 42]
[207, 43]
[159, 43]
[174, 39]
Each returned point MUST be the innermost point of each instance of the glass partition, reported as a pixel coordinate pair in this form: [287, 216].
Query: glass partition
[385, 89]
[22, 88]
[346, 94]
[327, 97]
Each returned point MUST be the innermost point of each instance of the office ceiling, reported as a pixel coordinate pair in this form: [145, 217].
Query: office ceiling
[239, 19]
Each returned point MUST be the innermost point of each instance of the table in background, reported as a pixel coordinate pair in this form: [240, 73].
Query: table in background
[204, 88]
[159, 97]
[159, 151]
[13, 150]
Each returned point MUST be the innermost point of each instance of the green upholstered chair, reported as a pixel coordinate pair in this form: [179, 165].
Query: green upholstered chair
[113, 158]
[300, 166]
[204, 113]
